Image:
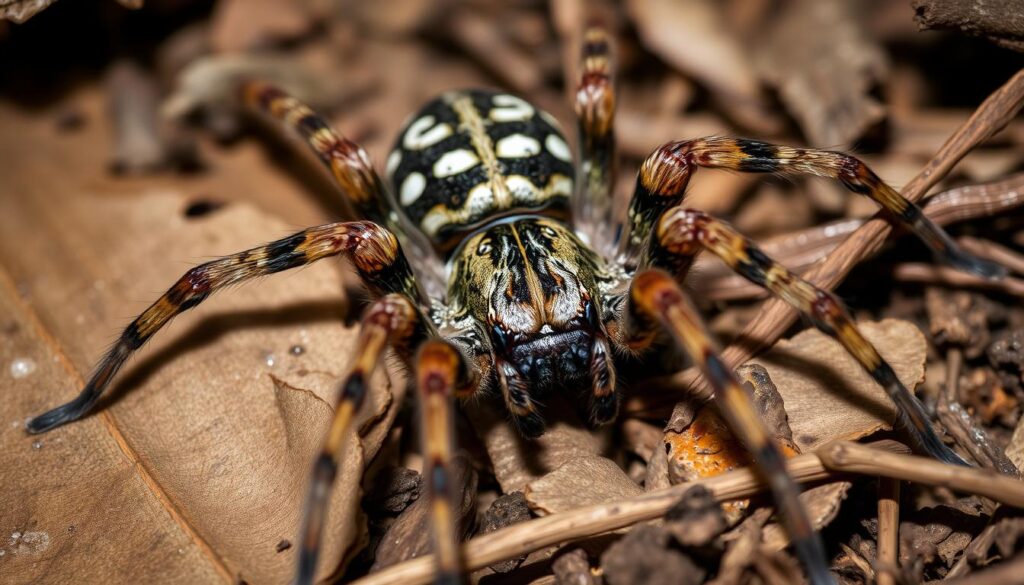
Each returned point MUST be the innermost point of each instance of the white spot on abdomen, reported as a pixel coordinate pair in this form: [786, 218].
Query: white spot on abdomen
[455, 162]
[433, 221]
[522, 189]
[509, 108]
[394, 159]
[517, 146]
[423, 133]
[557, 147]
[412, 188]
[480, 199]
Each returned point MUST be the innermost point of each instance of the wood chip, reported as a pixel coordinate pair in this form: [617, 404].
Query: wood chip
[579, 482]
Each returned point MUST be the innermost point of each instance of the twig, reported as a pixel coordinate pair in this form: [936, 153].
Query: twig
[802, 249]
[776, 316]
[854, 458]
[999, 21]
[932, 274]
[888, 530]
[884, 458]
[590, 520]
[995, 252]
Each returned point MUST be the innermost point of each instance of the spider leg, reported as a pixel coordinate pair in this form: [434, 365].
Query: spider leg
[682, 233]
[441, 373]
[347, 161]
[665, 174]
[656, 300]
[374, 252]
[595, 113]
[352, 171]
[391, 320]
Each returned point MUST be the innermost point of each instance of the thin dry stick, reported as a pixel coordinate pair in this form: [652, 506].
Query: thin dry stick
[801, 249]
[529, 536]
[944, 275]
[854, 458]
[880, 459]
[888, 530]
[776, 316]
[995, 252]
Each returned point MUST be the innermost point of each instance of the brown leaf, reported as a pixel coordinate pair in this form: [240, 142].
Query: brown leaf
[517, 460]
[198, 460]
[822, 505]
[579, 482]
[828, 395]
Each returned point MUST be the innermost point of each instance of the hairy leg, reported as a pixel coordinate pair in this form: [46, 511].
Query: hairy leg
[347, 161]
[595, 113]
[352, 171]
[656, 301]
[682, 233]
[391, 320]
[441, 373]
[374, 252]
[665, 174]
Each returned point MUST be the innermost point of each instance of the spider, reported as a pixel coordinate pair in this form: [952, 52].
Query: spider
[541, 288]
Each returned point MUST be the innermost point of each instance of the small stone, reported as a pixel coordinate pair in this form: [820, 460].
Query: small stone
[505, 511]
[573, 568]
[696, 519]
[393, 490]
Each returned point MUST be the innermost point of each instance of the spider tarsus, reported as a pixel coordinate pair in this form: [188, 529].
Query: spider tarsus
[811, 552]
[56, 417]
[929, 442]
[978, 266]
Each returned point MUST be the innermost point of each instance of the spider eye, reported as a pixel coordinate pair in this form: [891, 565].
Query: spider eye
[484, 248]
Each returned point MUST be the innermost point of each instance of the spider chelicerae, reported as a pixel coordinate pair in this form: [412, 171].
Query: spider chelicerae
[541, 288]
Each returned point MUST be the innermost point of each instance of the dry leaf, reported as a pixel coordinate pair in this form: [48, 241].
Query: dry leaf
[705, 447]
[518, 461]
[822, 505]
[828, 395]
[694, 38]
[579, 482]
[1015, 450]
[825, 66]
[198, 459]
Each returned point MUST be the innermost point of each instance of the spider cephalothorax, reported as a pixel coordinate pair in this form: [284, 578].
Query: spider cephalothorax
[533, 285]
[485, 182]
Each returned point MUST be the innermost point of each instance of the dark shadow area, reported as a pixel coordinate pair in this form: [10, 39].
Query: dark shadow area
[208, 331]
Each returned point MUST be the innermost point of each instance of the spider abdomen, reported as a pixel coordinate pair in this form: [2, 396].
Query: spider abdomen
[471, 156]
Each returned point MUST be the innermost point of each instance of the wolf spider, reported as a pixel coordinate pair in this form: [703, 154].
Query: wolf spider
[485, 181]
